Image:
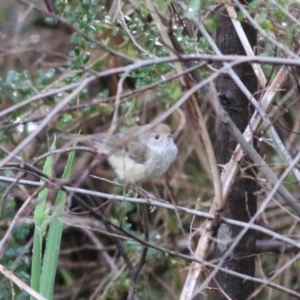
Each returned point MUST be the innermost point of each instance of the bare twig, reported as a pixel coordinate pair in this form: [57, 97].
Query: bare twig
[163, 204]
[21, 284]
[25, 209]
[232, 167]
[244, 40]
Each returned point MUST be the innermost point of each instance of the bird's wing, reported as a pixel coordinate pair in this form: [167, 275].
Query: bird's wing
[134, 145]
[113, 144]
[120, 142]
[137, 151]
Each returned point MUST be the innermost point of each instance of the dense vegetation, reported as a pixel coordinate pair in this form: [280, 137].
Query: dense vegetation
[91, 66]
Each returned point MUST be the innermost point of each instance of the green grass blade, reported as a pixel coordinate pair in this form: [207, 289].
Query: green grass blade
[40, 218]
[54, 239]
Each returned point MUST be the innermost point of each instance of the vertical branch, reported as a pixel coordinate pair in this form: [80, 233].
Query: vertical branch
[241, 201]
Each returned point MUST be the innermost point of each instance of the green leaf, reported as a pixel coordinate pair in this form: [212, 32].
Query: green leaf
[254, 4]
[193, 9]
[53, 242]
[41, 216]
[44, 78]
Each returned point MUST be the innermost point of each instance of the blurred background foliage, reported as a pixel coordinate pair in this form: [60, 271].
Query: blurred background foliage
[39, 53]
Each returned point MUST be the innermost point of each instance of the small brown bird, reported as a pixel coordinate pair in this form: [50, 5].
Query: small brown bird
[135, 156]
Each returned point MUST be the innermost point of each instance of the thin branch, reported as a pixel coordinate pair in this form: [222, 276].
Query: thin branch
[163, 204]
[25, 209]
[124, 95]
[235, 60]
[244, 40]
[275, 275]
[45, 122]
[190, 258]
[277, 186]
[267, 35]
[70, 25]
[21, 284]
[232, 167]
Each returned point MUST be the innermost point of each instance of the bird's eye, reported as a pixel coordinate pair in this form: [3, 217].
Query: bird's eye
[156, 137]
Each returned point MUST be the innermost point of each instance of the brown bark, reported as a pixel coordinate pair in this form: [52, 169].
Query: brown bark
[241, 202]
